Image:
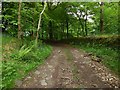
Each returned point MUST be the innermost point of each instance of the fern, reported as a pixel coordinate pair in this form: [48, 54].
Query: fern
[23, 51]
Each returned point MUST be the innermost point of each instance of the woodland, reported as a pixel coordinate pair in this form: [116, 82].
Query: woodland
[32, 32]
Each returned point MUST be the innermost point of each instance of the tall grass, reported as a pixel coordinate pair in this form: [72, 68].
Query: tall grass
[21, 59]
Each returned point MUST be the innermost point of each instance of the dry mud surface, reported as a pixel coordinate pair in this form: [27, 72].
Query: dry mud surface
[68, 67]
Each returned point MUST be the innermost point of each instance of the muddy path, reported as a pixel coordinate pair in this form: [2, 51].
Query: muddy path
[68, 67]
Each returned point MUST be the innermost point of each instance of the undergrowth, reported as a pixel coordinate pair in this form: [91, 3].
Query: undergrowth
[109, 56]
[21, 59]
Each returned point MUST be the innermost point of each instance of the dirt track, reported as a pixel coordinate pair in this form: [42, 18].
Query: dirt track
[68, 67]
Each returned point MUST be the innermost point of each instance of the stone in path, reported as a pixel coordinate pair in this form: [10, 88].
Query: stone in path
[68, 67]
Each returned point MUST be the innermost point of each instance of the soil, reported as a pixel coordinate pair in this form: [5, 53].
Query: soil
[68, 67]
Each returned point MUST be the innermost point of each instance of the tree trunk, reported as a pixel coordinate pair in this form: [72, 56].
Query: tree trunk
[119, 17]
[101, 18]
[42, 28]
[78, 31]
[63, 31]
[50, 30]
[67, 27]
[19, 18]
[39, 23]
[86, 23]
[33, 32]
[80, 21]
[42, 34]
[82, 26]
[86, 27]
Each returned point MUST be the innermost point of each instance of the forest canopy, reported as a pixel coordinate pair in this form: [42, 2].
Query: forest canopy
[60, 20]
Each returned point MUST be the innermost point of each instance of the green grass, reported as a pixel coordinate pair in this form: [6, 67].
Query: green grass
[6, 39]
[14, 68]
[109, 56]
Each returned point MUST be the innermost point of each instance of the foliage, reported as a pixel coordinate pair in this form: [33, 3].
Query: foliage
[23, 51]
[73, 22]
[74, 12]
[109, 56]
[19, 63]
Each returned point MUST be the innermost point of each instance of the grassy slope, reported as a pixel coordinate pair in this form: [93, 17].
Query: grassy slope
[104, 46]
[14, 69]
[110, 57]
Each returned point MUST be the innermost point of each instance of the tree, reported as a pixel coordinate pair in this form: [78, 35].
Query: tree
[101, 17]
[86, 32]
[39, 23]
[51, 9]
[19, 20]
[67, 26]
[60, 19]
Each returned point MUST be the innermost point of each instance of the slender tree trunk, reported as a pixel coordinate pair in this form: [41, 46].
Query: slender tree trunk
[119, 17]
[78, 32]
[67, 27]
[50, 22]
[33, 32]
[80, 21]
[101, 17]
[19, 19]
[39, 23]
[42, 34]
[50, 30]
[42, 28]
[86, 23]
[86, 27]
[82, 26]
[63, 31]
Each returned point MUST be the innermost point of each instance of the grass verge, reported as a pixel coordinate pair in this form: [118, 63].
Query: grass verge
[14, 68]
[109, 56]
